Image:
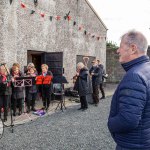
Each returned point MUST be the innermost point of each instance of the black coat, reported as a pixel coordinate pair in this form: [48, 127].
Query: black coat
[103, 72]
[46, 89]
[17, 92]
[4, 89]
[97, 78]
[83, 84]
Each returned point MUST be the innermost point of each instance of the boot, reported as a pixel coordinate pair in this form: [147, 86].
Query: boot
[14, 113]
[5, 114]
[28, 109]
[5, 118]
[33, 109]
[20, 111]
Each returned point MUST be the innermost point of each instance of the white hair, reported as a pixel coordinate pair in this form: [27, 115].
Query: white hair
[80, 65]
[30, 65]
[137, 38]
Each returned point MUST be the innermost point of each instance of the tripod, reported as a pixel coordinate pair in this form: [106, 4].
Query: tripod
[60, 93]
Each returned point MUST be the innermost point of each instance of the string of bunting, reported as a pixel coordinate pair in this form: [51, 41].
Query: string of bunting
[66, 17]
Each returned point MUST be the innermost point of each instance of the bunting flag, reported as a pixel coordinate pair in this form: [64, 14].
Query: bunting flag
[23, 5]
[74, 23]
[69, 18]
[80, 28]
[66, 17]
[10, 1]
[42, 15]
[35, 3]
[58, 17]
[32, 12]
[51, 18]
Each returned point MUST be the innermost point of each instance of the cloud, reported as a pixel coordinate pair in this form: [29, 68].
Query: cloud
[123, 15]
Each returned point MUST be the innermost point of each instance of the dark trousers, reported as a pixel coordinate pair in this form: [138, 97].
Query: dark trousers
[15, 103]
[83, 102]
[4, 103]
[46, 101]
[96, 94]
[31, 100]
[102, 89]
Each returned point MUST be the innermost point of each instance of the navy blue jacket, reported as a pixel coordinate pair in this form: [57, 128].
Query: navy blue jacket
[129, 119]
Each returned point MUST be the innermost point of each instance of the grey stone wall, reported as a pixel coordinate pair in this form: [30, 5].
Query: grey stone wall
[114, 68]
[20, 31]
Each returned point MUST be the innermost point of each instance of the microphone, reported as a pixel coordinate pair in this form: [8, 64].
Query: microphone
[2, 64]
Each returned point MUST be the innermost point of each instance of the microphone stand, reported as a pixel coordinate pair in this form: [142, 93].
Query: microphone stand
[12, 123]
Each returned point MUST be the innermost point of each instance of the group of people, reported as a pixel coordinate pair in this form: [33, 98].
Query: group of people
[12, 96]
[90, 82]
[129, 118]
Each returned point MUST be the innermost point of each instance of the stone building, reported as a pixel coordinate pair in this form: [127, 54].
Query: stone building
[30, 31]
[113, 67]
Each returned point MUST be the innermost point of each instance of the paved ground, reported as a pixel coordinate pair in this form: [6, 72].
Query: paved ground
[68, 130]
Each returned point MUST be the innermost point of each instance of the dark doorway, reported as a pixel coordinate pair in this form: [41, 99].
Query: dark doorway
[36, 59]
[55, 62]
[53, 59]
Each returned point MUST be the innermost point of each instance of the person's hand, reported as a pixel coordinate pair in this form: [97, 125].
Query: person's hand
[106, 75]
[12, 79]
[92, 73]
[77, 74]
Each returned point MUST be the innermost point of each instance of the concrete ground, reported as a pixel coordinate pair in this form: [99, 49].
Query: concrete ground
[68, 130]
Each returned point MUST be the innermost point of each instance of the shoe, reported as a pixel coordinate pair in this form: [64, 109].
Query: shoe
[96, 105]
[33, 109]
[5, 119]
[28, 110]
[43, 108]
[103, 97]
[47, 108]
[14, 114]
[19, 113]
[80, 108]
[92, 103]
[84, 109]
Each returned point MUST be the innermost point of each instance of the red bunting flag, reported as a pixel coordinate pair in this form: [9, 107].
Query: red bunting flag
[98, 38]
[69, 18]
[80, 28]
[58, 17]
[23, 5]
[42, 15]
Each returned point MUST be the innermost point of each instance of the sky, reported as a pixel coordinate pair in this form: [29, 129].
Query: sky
[120, 16]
